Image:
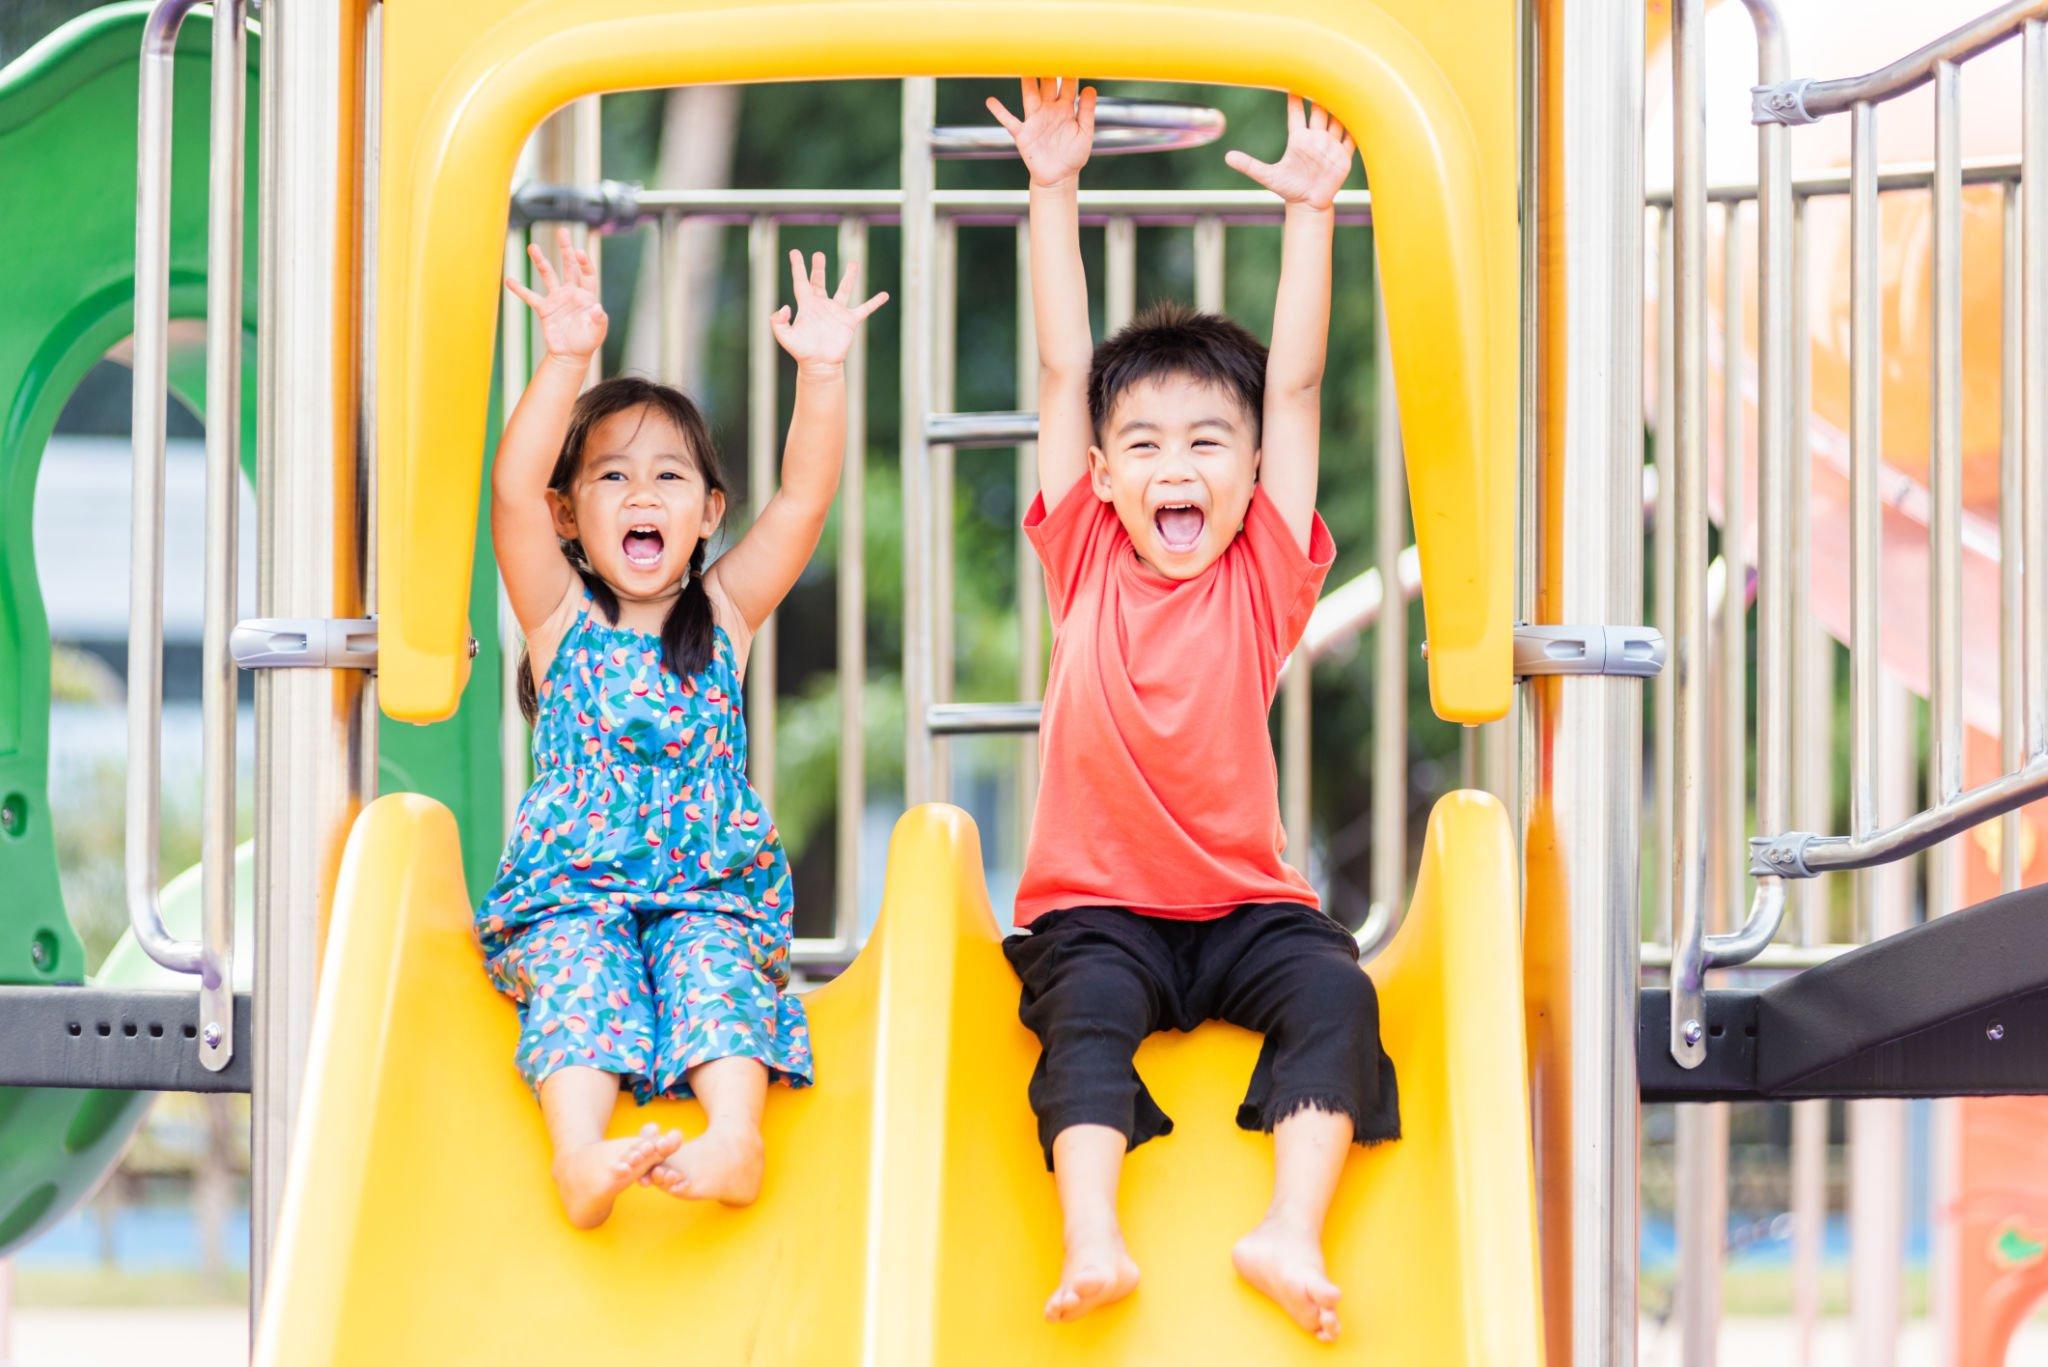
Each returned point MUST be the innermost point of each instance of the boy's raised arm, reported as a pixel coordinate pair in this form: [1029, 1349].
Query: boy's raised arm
[1054, 138]
[1307, 177]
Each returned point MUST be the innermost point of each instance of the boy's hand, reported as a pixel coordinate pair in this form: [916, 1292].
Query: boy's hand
[820, 332]
[572, 321]
[1313, 168]
[1058, 128]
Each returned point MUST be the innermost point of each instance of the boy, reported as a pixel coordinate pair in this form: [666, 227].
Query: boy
[1176, 522]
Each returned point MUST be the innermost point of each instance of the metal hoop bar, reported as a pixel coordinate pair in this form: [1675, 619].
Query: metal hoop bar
[1122, 126]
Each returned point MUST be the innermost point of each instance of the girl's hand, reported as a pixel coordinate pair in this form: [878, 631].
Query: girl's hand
[1313, 168]
[1058, 128]
[572, 321]
[820, 331]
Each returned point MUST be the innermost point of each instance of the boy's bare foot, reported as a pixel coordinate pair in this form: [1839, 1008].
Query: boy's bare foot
[722, 1164]
[1097, 1271]
[591, 1177]
[1285, 1262]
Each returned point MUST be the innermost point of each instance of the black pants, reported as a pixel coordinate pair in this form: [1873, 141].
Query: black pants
[1097, 980]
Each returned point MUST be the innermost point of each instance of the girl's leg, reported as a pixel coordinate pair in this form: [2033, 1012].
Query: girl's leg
[1087, 1160]
[1283, 1257]
[589, 1170]
[724, 1163]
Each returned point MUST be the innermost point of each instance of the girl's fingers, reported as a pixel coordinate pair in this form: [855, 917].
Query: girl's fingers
[1318, 117]
[847, 283]
[797, 278]
[870, 306]
[1030, 96]
[526, 296]
[1244, 163]
[1004, 116]
[818, 283]
[1087, 113]
[1295, 117]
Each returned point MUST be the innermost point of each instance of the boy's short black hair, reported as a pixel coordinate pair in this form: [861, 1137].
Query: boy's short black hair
[1173, 339]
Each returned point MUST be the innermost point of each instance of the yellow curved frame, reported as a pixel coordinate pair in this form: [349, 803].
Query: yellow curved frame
[1428, 88]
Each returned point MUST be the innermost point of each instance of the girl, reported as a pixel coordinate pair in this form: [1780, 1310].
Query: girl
[641, 916]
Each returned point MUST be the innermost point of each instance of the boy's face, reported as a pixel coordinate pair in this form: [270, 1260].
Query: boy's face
[1177, 460]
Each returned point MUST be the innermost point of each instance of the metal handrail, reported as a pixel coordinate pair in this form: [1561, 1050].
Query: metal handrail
[210, 957]
[1904, 175]
[1147, 207]
[1808, 101]
[1122, 126]
[1802, 854]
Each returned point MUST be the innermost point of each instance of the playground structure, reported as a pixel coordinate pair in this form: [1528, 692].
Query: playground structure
[404, 124]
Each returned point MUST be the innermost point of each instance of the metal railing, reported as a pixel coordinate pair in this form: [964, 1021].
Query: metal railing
[210, 957]
[933, 433]
[1790, 791]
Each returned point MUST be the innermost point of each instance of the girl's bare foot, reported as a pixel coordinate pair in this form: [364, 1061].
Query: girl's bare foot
[1285, 1262]
[592, 1175]
[722, 1164]
[1097, 1271]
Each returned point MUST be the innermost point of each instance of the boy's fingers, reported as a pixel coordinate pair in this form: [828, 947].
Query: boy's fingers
[541, 267]
[1295, 117]
[1246, 164]
[1318, 117]
[1030, 97]
[527, 296]
[1087, 113]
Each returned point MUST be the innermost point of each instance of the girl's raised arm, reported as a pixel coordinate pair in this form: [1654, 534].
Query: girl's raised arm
[756, 573]
[537, 575]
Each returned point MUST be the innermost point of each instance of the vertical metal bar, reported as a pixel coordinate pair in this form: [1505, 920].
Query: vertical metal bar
[1945, 531]
[920, 96]
[1688, 497]
[2034, 359]
[1030, 578]
[1812, 680]
[853, 598]
[945, 323]
[1583, 74]
[1295, 700]
[763, 272]
[1866, 416]
[1664, 558]
[1209, 264]
[669, 247]
[2012, 551]
[1877, 1146]
[1700, 1208]
[1389, 887]
[223, 491]
[1731, 670]
[1119, 273]
[316, 730]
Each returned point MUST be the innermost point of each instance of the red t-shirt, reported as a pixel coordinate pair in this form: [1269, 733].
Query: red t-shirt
[1158, 790]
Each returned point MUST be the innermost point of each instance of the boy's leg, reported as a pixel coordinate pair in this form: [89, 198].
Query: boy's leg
[725, 1162]
[1096, 981]
[1322, 1081]
[589, 1170]
[1096, 1269]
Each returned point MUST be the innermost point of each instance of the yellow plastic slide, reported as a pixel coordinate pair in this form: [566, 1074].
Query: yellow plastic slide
[908, 1219]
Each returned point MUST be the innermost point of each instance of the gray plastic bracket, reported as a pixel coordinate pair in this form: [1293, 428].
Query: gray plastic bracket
[610, 206]
[1626, 652]
[1783, 103]
[305, 643]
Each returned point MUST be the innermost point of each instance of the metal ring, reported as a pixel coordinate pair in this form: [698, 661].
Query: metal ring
[1121, 126]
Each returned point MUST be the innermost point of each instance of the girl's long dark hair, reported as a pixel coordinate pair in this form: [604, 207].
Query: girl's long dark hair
[686, 633]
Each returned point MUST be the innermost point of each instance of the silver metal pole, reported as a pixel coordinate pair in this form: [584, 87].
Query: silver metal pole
[1866, 416]
[1030, 577]
[1917, 68]
[1119, 272]
[1700, 1210]
[1584, 70]
[316, 731]
[920, 97]
[1664, 556]
[1946, 488]
[2012, 744]
[1209, 264]
[945, 324]
[853, 633]
[669, 248]
[1730, 670]
[2034, 360]
[764, 271]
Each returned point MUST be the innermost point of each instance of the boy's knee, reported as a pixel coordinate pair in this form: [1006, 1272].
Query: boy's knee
[1336, 993]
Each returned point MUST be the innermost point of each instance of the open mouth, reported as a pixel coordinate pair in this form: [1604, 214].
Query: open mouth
[1180, 525]
[643, 547]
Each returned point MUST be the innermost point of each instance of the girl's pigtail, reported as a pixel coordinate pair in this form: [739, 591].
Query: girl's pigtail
[686, 633]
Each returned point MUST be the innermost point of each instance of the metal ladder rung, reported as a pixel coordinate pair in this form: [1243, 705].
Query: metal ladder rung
[980, 429]
[982, 718]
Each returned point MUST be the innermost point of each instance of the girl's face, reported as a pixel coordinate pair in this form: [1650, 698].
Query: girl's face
[639, 504]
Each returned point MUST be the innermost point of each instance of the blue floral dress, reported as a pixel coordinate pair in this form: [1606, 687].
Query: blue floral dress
[641, 914]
